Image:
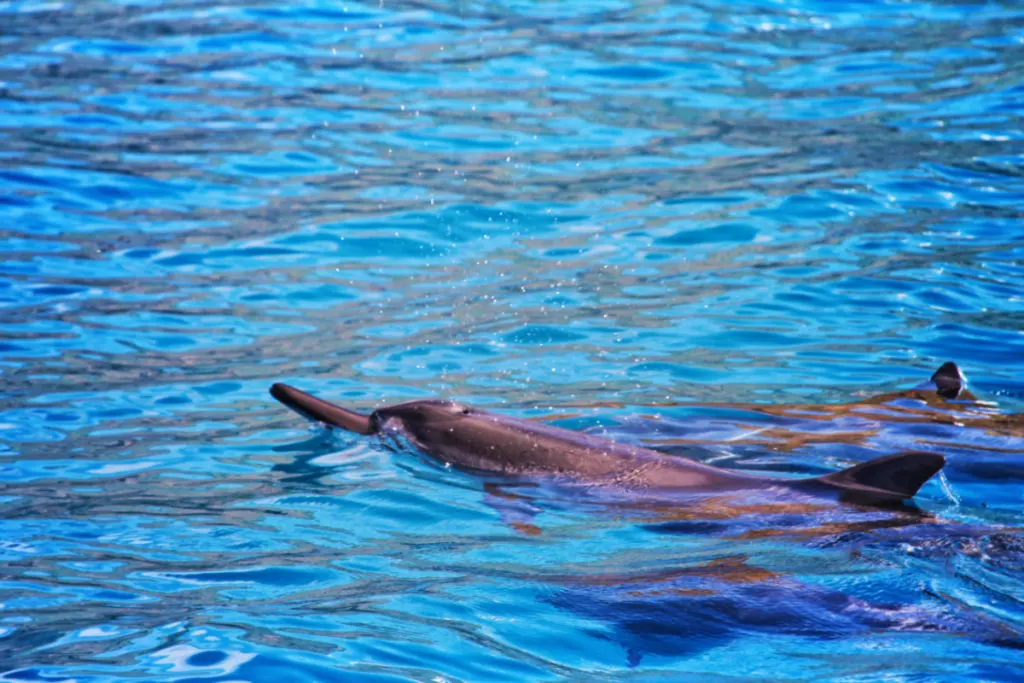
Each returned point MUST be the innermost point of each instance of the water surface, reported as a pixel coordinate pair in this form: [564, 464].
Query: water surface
[662, 222]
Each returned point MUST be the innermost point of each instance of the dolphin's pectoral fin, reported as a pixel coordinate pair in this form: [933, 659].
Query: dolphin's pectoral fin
[949, 381]
[515, 509]
[897, 476]
[316, 409]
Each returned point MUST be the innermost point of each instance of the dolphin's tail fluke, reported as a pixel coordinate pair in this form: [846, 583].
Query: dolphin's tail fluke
[316, 409]
[897, 476]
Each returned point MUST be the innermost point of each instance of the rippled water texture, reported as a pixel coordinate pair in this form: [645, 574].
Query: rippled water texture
[714, 228]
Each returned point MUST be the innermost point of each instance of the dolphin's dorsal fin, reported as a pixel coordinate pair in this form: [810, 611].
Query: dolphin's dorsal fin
[893, 476]
[322, 411]
[949, 381]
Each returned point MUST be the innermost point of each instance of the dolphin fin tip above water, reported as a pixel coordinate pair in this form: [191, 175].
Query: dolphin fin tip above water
[486, 441]
[949, 380]
[902, 474]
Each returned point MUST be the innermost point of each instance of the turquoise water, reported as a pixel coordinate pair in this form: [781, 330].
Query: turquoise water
[666, 223]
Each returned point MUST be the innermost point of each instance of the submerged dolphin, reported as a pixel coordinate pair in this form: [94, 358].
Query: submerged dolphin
[475, 439]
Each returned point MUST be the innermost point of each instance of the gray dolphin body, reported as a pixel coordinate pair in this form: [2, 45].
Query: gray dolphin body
[479, 440]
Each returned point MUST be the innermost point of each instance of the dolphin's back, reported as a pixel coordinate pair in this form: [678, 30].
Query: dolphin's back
[488, 441]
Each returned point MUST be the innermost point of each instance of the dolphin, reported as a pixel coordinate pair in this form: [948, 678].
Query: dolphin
[478, 440]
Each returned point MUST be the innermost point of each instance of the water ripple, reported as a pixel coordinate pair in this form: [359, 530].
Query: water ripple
[717, 229]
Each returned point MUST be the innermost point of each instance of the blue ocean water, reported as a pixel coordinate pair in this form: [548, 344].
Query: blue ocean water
[715, 228]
